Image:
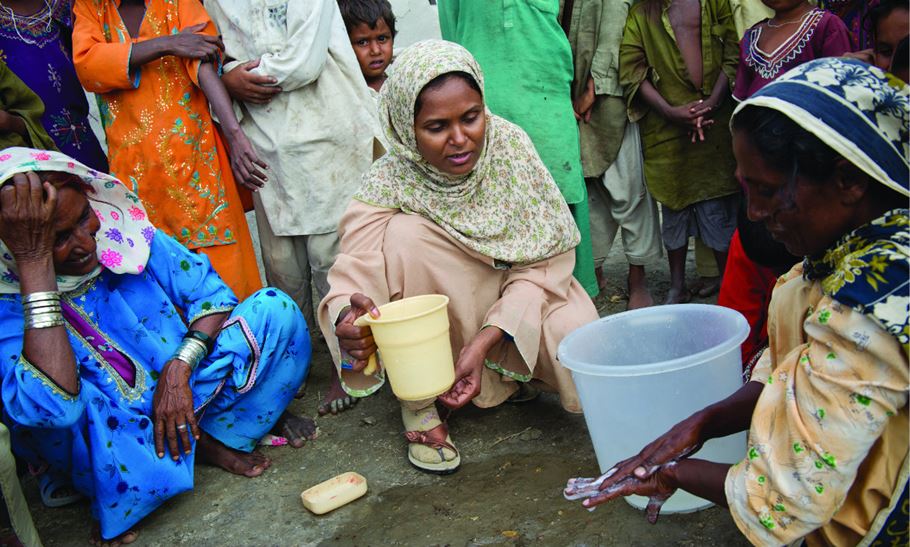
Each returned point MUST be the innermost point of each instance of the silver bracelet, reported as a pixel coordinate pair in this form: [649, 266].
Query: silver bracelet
[191, 351]
[44, 321]
[43, 296]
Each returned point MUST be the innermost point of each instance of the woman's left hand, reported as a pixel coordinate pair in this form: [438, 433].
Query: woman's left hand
[172, 409]
[245, 163]
[469, 367]
[467, 377]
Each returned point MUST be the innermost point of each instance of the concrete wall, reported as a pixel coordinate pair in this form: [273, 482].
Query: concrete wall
[416, 20]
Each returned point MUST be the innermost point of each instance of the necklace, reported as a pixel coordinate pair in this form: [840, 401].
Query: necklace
[43, 17]
[771, 24]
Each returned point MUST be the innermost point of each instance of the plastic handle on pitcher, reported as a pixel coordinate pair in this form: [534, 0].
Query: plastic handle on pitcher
[372, 364]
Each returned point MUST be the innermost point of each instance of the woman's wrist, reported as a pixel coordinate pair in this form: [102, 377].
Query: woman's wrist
[36, 273]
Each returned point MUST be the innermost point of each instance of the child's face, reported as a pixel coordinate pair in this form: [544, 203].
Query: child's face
[888, 34]
[450, 127]
[373, 47]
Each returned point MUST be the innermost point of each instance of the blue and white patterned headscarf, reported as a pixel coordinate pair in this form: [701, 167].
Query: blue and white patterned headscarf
[858, 110]
[863, 114]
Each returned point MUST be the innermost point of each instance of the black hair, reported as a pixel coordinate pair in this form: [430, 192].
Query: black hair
[438, 82]
[788, 148]
[368, 12]
[760, 247]
[901, 58]
[882, 10]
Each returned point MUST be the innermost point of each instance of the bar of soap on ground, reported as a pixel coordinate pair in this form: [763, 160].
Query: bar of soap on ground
[333, 493]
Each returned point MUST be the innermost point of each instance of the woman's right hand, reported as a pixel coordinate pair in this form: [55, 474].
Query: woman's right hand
[357, 341]
[191, 44]
[26, 217]
[683, 440]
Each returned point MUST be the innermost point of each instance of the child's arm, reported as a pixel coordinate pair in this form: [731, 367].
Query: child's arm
[307, 45]
[244, 160]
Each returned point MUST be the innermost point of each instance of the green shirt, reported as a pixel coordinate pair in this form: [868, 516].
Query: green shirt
[528, 72]
[17, 99]
[679, 173]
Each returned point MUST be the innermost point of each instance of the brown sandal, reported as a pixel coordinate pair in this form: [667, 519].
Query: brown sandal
[438, 438]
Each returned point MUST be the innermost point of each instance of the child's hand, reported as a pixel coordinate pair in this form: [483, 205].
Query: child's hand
[245, 163]
[249, 87]
[682, 115]
[584, 103]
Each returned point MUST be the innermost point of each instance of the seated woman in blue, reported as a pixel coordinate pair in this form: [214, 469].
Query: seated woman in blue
[123, 354]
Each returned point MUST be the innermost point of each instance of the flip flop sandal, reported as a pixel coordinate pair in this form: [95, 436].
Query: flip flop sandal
[525, 394]
[434, 438]
[48, 484]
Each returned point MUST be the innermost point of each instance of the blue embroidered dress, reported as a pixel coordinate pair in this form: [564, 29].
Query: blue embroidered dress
[103, 435]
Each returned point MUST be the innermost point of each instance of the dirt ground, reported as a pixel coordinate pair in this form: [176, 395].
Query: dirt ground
[516, 460]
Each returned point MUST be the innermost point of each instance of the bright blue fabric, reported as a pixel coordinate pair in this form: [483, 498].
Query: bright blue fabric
[103, 436]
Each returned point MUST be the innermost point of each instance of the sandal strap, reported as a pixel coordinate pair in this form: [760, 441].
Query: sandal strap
[434, 438]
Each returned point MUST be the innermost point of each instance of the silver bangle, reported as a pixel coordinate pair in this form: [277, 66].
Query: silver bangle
[191, 351]
[44, 321]
[43, 296]
[42, 307]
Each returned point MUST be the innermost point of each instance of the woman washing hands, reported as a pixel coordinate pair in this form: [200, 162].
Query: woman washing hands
[826, 408]
[461, 206]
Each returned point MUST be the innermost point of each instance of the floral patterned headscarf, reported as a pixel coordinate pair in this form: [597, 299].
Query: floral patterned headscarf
[508, 207]
[863, 114]
[125, 236]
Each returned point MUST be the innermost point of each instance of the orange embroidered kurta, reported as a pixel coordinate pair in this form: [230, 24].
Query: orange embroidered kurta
[161, 137]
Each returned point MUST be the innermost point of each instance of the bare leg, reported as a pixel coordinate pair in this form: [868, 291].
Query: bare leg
[211, 451]
[678, 292]
[721, 257]
[639, 295]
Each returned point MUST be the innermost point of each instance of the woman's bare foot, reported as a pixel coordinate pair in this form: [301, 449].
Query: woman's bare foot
[209, 450]
[123, 539]
[336, 400]
[296, 429]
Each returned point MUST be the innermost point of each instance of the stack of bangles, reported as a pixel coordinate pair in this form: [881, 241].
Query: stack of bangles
[42, 310]
[193, 349]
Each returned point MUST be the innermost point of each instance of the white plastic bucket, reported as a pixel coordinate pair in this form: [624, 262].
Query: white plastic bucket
[640, 372]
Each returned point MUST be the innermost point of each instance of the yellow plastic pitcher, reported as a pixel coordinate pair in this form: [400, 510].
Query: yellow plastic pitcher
[412, 335]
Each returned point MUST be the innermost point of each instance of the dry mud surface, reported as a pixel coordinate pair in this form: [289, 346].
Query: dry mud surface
[516, 460]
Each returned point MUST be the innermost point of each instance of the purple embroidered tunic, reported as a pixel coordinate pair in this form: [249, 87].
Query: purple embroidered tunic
[38, 49]
[821, 34]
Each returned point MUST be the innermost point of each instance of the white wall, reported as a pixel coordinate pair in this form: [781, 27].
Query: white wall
[416, 20]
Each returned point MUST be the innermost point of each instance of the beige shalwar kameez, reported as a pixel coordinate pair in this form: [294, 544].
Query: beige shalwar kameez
[388, 255]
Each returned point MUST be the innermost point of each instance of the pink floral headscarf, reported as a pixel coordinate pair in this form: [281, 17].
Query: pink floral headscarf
[124, 240]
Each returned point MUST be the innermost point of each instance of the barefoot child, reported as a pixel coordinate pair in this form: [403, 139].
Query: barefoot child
[795, 34]
[610, 148]
[677, 91]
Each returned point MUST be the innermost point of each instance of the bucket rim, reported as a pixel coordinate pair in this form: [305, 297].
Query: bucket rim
[443, 302]
[648, 369]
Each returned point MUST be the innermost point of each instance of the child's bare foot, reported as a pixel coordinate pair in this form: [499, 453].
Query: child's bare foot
[706, 286]
[123, 539]
[336, 400]
[296, 429]
[678, 296]
[639, 297]
[209, 450]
